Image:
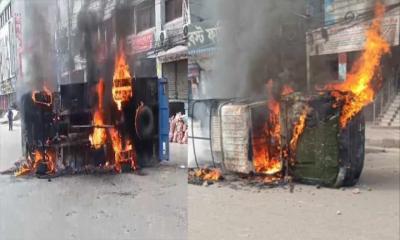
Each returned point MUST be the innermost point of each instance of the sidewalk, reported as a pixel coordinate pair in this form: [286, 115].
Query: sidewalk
[10, 145]
[386, 137]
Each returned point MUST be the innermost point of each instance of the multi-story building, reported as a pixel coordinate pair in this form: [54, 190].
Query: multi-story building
[278, 36]
[7, 54]
[335, 45]
[153, 32]
[26, 37]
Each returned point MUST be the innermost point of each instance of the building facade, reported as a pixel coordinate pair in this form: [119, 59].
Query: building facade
[7, 54]
[282, 37]
[26, 32]
[152, 32]
[333, 47]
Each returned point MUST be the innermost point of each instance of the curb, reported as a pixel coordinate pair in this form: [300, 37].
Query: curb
[384, 143]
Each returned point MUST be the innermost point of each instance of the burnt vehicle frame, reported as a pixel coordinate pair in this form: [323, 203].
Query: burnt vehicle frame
[66, 124]
[349, 142]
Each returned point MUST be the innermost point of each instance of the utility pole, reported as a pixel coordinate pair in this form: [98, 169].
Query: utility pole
[69, 40]
[308, 64]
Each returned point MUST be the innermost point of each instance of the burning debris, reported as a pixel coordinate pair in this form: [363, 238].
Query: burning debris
[201, 175]
[40, 162]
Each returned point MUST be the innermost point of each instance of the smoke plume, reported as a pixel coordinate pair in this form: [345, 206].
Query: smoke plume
[248, 46]
[39, 54]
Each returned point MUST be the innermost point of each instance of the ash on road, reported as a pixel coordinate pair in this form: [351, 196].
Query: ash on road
[367, 211]
[124, 206]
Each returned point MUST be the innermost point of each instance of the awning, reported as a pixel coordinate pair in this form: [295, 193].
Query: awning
[173, 54]
[202, 52]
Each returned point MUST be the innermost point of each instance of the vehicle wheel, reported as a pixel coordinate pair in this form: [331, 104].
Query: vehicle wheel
[144, 122]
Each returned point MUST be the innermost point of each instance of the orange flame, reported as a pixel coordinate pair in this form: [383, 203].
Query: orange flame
[122, 86]
[46, 97]
[286, 90]
[209, 174]
[360, 82]
[267, 143]
[48, 157]
[99, 136]
[122, 154]
[297, 131]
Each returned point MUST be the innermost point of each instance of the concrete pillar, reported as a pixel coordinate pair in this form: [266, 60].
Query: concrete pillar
[342, 67]
[160, 15]
[160, 21]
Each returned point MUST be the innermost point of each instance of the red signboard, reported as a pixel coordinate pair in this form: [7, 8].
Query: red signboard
[140, 43]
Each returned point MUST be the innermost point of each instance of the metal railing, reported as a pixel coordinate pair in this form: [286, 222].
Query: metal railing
[389, 90]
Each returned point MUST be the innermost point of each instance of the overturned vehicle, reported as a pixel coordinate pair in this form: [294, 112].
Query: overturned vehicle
[70, 133]
[300, 136]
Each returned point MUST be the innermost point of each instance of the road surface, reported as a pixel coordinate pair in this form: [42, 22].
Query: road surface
[368, 211]
[108, 207]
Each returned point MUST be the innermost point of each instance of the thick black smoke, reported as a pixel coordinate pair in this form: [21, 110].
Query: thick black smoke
[250, 46]
[39, 55]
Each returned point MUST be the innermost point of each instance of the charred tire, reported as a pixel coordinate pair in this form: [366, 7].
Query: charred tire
[144, 122]
[354, 174]
[356, 151]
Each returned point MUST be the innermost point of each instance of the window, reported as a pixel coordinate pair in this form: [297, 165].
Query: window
[5, 16]
[145, 16]
[173, 9]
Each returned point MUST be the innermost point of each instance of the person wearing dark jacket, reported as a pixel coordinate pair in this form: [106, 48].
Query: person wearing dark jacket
[10, 116]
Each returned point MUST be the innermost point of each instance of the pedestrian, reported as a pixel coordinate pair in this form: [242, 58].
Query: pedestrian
[10, 116]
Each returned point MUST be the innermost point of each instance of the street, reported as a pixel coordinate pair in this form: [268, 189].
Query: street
[124, 206]
[370, 210]
[10, 145]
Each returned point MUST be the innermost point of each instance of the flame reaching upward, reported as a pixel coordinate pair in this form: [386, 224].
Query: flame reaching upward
[100, 92]
[298, 129]
[124, 153]
[122, 85]
[99, 136]
[267, 143]
[361, 82]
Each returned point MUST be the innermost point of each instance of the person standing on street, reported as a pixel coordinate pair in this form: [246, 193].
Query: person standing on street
[10, 116]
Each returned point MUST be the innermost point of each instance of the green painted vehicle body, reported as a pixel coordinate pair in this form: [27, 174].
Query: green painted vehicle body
[326, 154]
[317, 154]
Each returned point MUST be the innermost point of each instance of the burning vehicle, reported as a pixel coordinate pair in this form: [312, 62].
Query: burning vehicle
[317, 149]
[300, 136]
[68, 133]
[315, 137]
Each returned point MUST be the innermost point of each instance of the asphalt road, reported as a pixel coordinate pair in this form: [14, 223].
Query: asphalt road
[161, 205]
[124, 206]
[10, 145]
[368, 211]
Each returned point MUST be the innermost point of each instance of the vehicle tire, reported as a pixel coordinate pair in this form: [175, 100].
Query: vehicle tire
[144, 122]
